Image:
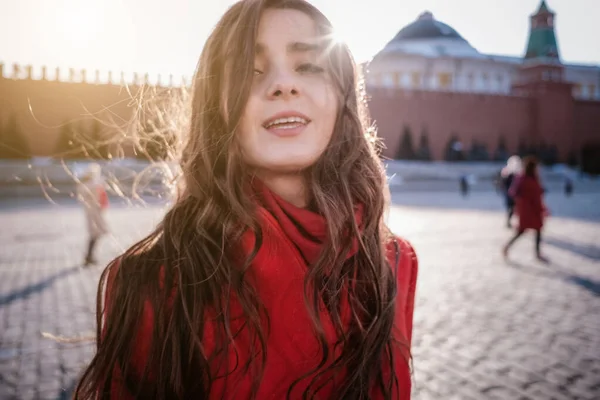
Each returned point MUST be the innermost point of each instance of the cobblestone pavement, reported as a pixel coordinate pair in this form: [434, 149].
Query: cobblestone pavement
[484, 328]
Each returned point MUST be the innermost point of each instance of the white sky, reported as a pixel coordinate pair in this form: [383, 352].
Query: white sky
[166, 36]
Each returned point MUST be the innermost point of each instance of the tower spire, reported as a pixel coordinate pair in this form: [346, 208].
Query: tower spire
[543, 7]
[542, 43]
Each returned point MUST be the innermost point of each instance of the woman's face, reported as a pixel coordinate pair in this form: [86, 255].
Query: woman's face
[291, 112]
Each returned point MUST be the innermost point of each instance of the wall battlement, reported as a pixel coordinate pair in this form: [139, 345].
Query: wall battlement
[94, 77]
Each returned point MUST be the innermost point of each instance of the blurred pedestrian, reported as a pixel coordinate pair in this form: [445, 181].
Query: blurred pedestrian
[464, 185]
[507, 175]
[498, 182]
[568, 186]
[273, 275]
[528, 195]
[92, 195]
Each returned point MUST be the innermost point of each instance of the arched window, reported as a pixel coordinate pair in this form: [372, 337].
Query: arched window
[445, 80]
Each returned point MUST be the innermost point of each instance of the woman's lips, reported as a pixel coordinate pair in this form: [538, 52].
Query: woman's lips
[286, 124]
[288, 129]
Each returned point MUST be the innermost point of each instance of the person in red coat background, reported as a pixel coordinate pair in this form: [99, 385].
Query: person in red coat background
[91, 193]
[273, 275]
[528, 194]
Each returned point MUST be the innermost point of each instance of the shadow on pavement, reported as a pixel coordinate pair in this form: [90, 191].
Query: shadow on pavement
[37, 287]
[554, 271]
[588, 284]
[541, 271]
[589, 251]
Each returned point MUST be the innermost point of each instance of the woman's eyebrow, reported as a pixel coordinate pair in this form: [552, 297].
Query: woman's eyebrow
[302, 47]
[292, 47]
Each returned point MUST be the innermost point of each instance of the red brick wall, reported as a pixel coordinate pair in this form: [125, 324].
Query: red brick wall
[554, 116]
[471, 116]
[587, 121]
[42, 107]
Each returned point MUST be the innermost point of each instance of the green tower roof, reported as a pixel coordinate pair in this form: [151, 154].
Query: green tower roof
[543, 7]
[542, 44]
[542, 39]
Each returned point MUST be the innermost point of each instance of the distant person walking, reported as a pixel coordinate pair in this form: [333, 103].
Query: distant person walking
[568, 186]
[464, 185]
[528, 193]
[92, 195]
[507, 176]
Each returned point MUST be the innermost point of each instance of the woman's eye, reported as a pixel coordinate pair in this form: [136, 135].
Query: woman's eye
[257, 72]
[310, 68]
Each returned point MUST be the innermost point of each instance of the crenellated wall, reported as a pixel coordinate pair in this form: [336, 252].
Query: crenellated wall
[96, 77]
[42, 102]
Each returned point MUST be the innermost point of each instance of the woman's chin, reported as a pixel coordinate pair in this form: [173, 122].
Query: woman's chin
[288, 165]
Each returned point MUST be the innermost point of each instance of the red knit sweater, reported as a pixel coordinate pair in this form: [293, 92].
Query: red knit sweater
[292, 238]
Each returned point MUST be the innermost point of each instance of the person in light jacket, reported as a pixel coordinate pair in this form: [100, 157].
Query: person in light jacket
[92, 195]
[512, 169]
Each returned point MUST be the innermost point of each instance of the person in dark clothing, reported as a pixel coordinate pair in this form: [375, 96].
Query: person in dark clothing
[508, 174]
[528, 193]
[464, 185]
[568, 187]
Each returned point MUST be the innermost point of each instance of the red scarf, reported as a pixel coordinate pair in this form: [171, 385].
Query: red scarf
[305, 228]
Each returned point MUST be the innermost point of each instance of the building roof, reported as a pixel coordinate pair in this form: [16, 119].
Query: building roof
[542, 44]
[427, 27]
[427, 37]
[430, 38]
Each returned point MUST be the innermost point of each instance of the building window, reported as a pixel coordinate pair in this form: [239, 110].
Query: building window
[415, 80]
[445, 80]
[397, 78]
[484, 82]
[592, 91]
[577, 90]
[500, 80]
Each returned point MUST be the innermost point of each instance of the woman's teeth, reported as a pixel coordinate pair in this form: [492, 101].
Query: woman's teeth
[287, 123]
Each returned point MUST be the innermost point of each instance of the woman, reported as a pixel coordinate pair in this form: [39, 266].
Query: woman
[528, 193]
[273, 276]
[508, 174]
[93, 197]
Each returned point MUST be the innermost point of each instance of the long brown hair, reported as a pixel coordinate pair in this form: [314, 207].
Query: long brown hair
[530, 166]
[193, 248]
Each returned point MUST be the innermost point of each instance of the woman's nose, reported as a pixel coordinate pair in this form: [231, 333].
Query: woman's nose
[284, 85]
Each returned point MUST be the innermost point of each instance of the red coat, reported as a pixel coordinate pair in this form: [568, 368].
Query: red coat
[529, 203]
[102, 197]
[278, 272]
